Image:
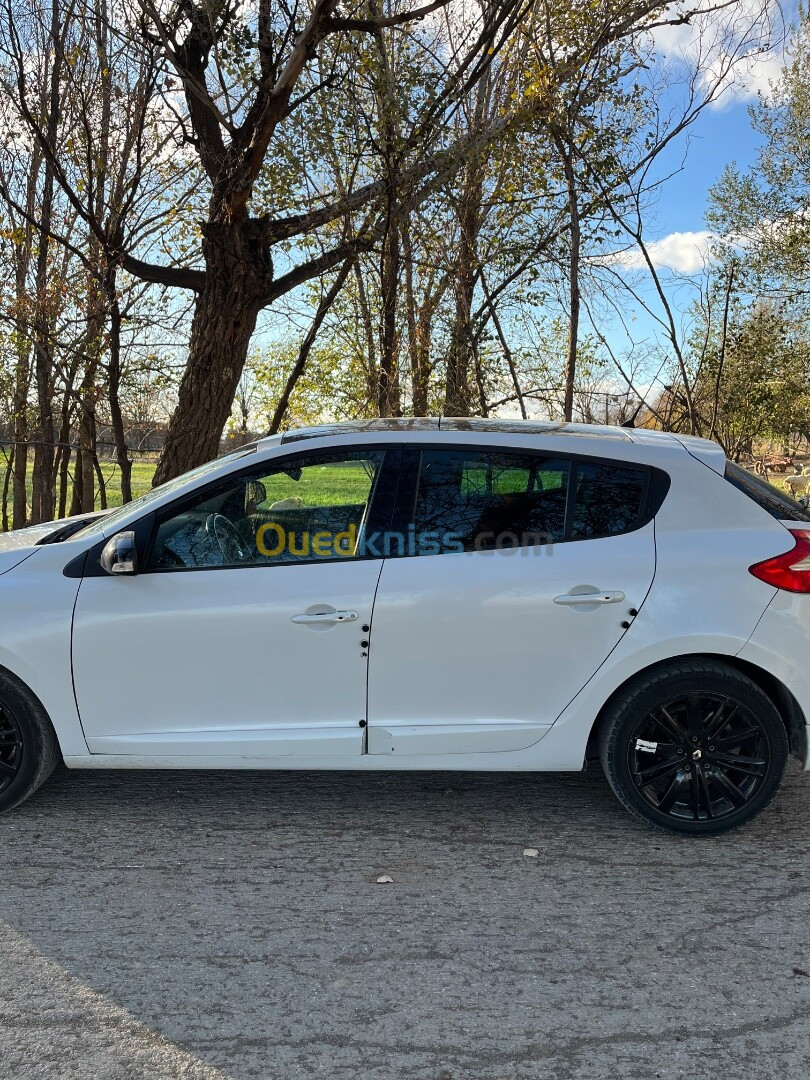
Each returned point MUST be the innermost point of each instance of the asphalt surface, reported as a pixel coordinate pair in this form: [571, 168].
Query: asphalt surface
[230, 926]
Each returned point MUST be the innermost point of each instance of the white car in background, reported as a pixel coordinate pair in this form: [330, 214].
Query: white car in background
[426, 594]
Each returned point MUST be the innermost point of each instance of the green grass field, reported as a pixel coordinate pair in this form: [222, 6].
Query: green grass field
[335, 485]
[142, 473]
[321, 485]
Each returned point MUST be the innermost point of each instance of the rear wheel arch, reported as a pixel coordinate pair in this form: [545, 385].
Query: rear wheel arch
[783, 700]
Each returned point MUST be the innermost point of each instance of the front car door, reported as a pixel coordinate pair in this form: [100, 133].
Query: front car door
[521, 573]
[242, 633]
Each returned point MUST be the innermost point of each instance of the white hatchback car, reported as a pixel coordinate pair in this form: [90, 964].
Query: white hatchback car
[426, 594]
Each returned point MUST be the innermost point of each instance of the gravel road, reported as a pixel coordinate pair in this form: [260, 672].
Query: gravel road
[230, 926]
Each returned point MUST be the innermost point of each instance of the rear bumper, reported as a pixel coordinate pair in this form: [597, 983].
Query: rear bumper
[780, 645]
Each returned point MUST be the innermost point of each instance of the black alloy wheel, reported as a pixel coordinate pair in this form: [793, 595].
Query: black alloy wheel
[12, 751]
[693, 746]
[29, 749]
[699, 757]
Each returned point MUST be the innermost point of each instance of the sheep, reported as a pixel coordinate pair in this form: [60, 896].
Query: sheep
[797, 483]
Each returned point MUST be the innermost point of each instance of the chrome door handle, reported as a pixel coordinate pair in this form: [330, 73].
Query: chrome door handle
[604, 597]
[327, 617]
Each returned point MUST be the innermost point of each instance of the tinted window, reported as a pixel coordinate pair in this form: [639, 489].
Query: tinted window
[479, 500]
[607, 500]
[775, 502]
[304, 510]
[470, 500]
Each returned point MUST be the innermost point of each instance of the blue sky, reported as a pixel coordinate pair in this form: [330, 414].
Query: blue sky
[720, 135]
[675, 229]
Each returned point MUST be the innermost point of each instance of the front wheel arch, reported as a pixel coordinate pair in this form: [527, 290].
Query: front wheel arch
[36, 739]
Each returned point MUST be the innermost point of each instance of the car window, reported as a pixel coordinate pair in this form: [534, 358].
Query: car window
[481, 500]
[305, 509]
[607, 500]
[771, 499]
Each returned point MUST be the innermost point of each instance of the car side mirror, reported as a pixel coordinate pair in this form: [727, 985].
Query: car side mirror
[120, 555]
[255, 495]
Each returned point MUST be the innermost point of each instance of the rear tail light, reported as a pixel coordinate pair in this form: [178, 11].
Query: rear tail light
[790, 571]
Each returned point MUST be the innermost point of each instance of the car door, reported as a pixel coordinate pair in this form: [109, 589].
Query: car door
[242, 633]
[522, 572]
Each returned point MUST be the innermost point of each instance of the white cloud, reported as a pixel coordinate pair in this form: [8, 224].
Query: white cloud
[684, 252]
[728, 49]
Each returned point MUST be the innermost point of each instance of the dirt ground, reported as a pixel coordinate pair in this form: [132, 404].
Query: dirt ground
[231, 926]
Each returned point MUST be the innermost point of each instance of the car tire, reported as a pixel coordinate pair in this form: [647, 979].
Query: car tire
[693, 747]
[29, 750]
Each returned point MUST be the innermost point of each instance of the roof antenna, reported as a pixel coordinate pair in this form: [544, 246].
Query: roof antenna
[631, 423]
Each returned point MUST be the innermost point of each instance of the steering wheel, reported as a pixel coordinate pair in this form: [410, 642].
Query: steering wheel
[227, 537]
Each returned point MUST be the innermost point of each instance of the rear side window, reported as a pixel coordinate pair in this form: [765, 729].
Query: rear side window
[469, 500]
[771, 499]
[476, 501]
[607, 500]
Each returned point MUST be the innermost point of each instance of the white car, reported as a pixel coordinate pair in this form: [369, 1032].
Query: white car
[426, 594]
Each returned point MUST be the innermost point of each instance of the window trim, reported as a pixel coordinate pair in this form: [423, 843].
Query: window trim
[656, 485]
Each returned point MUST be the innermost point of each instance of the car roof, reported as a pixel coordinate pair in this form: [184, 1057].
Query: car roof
[456, 423]
[704, 450]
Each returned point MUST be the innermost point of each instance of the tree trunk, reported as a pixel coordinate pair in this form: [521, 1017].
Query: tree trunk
[9, 463]
[22, 384]
[575, 239]
[388, 398]
[224, 320]
[388, 392]
[43, 499]
[64, 481]
[463, 352]
[368, 333]
[419, 321]
[460, 357]
[20, 447]
[113, 386]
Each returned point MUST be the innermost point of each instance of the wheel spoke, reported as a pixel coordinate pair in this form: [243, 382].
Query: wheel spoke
[655, 772]
[670, 725]
[750, 765]
[667, 800]
[730, 788]
[731, 742]
[720, 720]
[694, 783]
[7, 771]
[694, 719]
[704, 787]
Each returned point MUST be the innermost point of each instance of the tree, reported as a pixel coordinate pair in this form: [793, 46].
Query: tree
[81, 135]
[244, 76]
[754, 377]
[766, 208]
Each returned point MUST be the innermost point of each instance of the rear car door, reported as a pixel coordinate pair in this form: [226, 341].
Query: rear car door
[519, 573]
